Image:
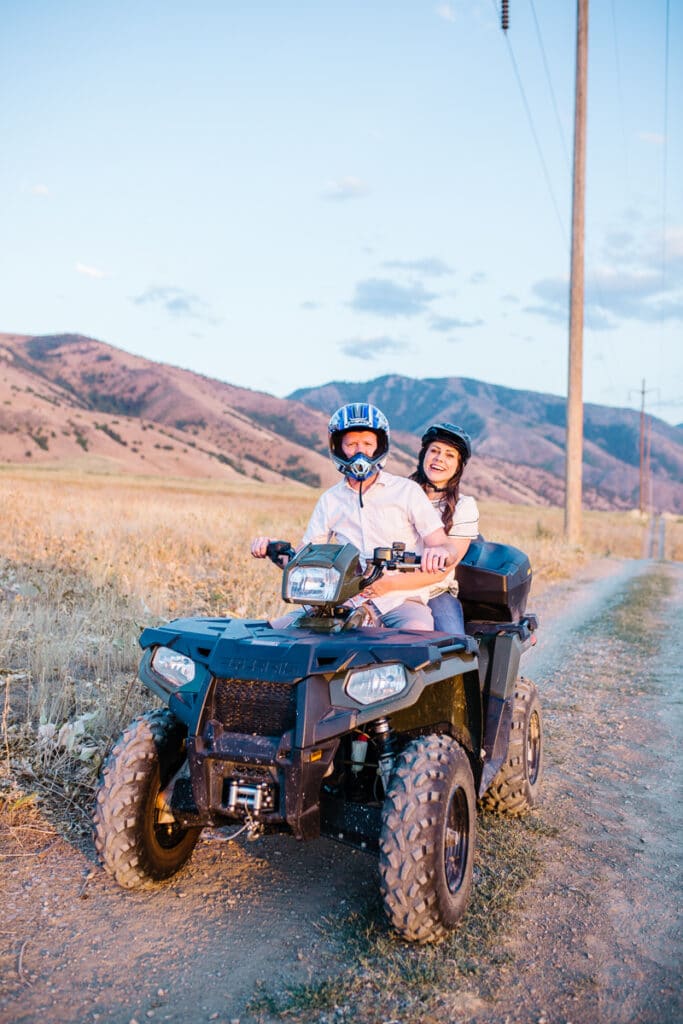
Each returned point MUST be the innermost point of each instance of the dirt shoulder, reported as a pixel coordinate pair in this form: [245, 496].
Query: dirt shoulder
[597, 934]
[594, 935]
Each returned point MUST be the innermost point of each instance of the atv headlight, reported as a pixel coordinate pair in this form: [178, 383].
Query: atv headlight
[377, 683]
[176, 669]
[312, 583]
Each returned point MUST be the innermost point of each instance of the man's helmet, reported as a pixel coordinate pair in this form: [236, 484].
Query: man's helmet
[358, 416]
[452, 435]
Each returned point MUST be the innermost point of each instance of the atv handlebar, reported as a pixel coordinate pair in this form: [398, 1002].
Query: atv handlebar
[394, 557]
[278, 550]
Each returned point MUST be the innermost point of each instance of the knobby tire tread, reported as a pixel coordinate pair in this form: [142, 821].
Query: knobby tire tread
[410, 837]
[124, 784]
[510, 792]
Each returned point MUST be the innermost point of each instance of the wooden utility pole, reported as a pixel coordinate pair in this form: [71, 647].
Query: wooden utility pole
[574, 444]
[648, 469]
[641, 489]
[645, 483]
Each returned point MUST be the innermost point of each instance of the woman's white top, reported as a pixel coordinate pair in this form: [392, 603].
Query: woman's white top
[465, 524]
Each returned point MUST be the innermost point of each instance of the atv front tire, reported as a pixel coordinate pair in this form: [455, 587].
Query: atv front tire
[515, 787]
[427, 839]
[133, 845]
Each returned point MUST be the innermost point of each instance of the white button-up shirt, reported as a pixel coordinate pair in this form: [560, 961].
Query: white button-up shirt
[394, 509]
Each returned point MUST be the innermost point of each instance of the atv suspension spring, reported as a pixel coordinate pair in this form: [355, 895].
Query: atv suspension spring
[384, 742]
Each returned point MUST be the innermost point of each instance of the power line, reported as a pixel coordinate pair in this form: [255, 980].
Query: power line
[534, 133]
[550, 87]
[665, 154]
[620, 95]
[594, 285]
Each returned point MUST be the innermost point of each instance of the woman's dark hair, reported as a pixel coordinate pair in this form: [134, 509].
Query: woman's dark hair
[449, 497]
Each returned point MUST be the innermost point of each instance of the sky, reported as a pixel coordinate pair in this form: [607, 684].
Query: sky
[281, 194]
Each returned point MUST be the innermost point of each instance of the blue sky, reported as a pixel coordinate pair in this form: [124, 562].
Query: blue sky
[282, 194]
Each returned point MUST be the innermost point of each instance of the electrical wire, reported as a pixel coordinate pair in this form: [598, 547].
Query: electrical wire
[665, 148]
[620, 95]
[558, 119]
[534, 134]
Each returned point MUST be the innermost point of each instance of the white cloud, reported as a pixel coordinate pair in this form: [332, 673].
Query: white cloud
[345, 188]
[656, 138]
[370, 348]
[40, 190]
[673, 241]
[178, 302]
[446, 12]
[451, 323]
[90, 271]
[387, 298]
[430, 267]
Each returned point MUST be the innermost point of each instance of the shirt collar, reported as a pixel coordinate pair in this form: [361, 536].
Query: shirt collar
[377, 478]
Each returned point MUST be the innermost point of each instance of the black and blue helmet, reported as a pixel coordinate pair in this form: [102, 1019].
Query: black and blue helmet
[456, 437]
[358, 416]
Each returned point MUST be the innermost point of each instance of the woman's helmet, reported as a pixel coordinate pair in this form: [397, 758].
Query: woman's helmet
[452, 435]
[358, 416]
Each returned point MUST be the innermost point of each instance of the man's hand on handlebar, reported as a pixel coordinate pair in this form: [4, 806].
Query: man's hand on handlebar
[278, 551]
[259, 547]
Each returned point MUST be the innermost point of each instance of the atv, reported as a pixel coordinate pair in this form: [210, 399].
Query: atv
[325, 724]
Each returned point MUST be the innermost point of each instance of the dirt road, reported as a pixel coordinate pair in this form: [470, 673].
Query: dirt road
[595, 936]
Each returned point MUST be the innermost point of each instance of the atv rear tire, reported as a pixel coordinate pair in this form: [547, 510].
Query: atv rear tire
[516, 786]
[427, 839]
[133, 845]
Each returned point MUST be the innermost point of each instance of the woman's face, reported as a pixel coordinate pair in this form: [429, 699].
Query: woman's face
[441, 463]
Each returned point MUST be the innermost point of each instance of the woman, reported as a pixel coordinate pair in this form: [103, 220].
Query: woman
[446, 450]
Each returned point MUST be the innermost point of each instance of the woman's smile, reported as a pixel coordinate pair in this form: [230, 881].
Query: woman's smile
[441, 463]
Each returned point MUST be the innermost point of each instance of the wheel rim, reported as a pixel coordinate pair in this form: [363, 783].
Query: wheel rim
[165, 834]
[456, 839]
[533, 750]
[168, 834]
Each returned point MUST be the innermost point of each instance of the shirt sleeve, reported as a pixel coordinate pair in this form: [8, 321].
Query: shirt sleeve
[466, 518]
[425, 517]
[318, 529]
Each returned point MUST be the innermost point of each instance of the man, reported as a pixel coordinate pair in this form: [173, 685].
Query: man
[371, 508]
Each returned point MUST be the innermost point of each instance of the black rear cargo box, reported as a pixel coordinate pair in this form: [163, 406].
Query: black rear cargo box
[494, 580]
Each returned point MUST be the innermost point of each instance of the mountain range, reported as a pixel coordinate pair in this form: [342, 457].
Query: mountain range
[66, 399]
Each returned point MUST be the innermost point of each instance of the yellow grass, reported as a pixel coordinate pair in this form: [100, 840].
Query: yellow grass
[86, 562]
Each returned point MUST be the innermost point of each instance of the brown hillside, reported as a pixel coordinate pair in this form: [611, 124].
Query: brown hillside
[68, 398]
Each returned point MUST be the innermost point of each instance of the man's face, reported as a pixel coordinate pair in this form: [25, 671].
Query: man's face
[355, 441]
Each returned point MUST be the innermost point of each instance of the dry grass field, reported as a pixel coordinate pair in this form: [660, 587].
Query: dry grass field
[86, 562]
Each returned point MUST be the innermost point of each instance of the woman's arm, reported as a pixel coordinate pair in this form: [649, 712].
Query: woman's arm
[391, 582]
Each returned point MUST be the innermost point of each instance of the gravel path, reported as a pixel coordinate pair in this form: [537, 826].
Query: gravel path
[598, 933]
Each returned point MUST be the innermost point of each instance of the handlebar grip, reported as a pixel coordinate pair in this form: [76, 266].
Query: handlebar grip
[396, 557]
[279, 549]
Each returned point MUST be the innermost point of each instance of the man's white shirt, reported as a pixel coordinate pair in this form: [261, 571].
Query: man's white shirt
[394, 509]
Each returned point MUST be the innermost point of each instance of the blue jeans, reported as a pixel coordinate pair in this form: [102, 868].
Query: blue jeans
[409, 615]
[448, 614]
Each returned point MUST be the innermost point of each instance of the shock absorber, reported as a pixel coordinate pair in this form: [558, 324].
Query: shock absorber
[384, 741]
[359, 750]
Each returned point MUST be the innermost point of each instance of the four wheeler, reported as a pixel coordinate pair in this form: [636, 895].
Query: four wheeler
[383, 738]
